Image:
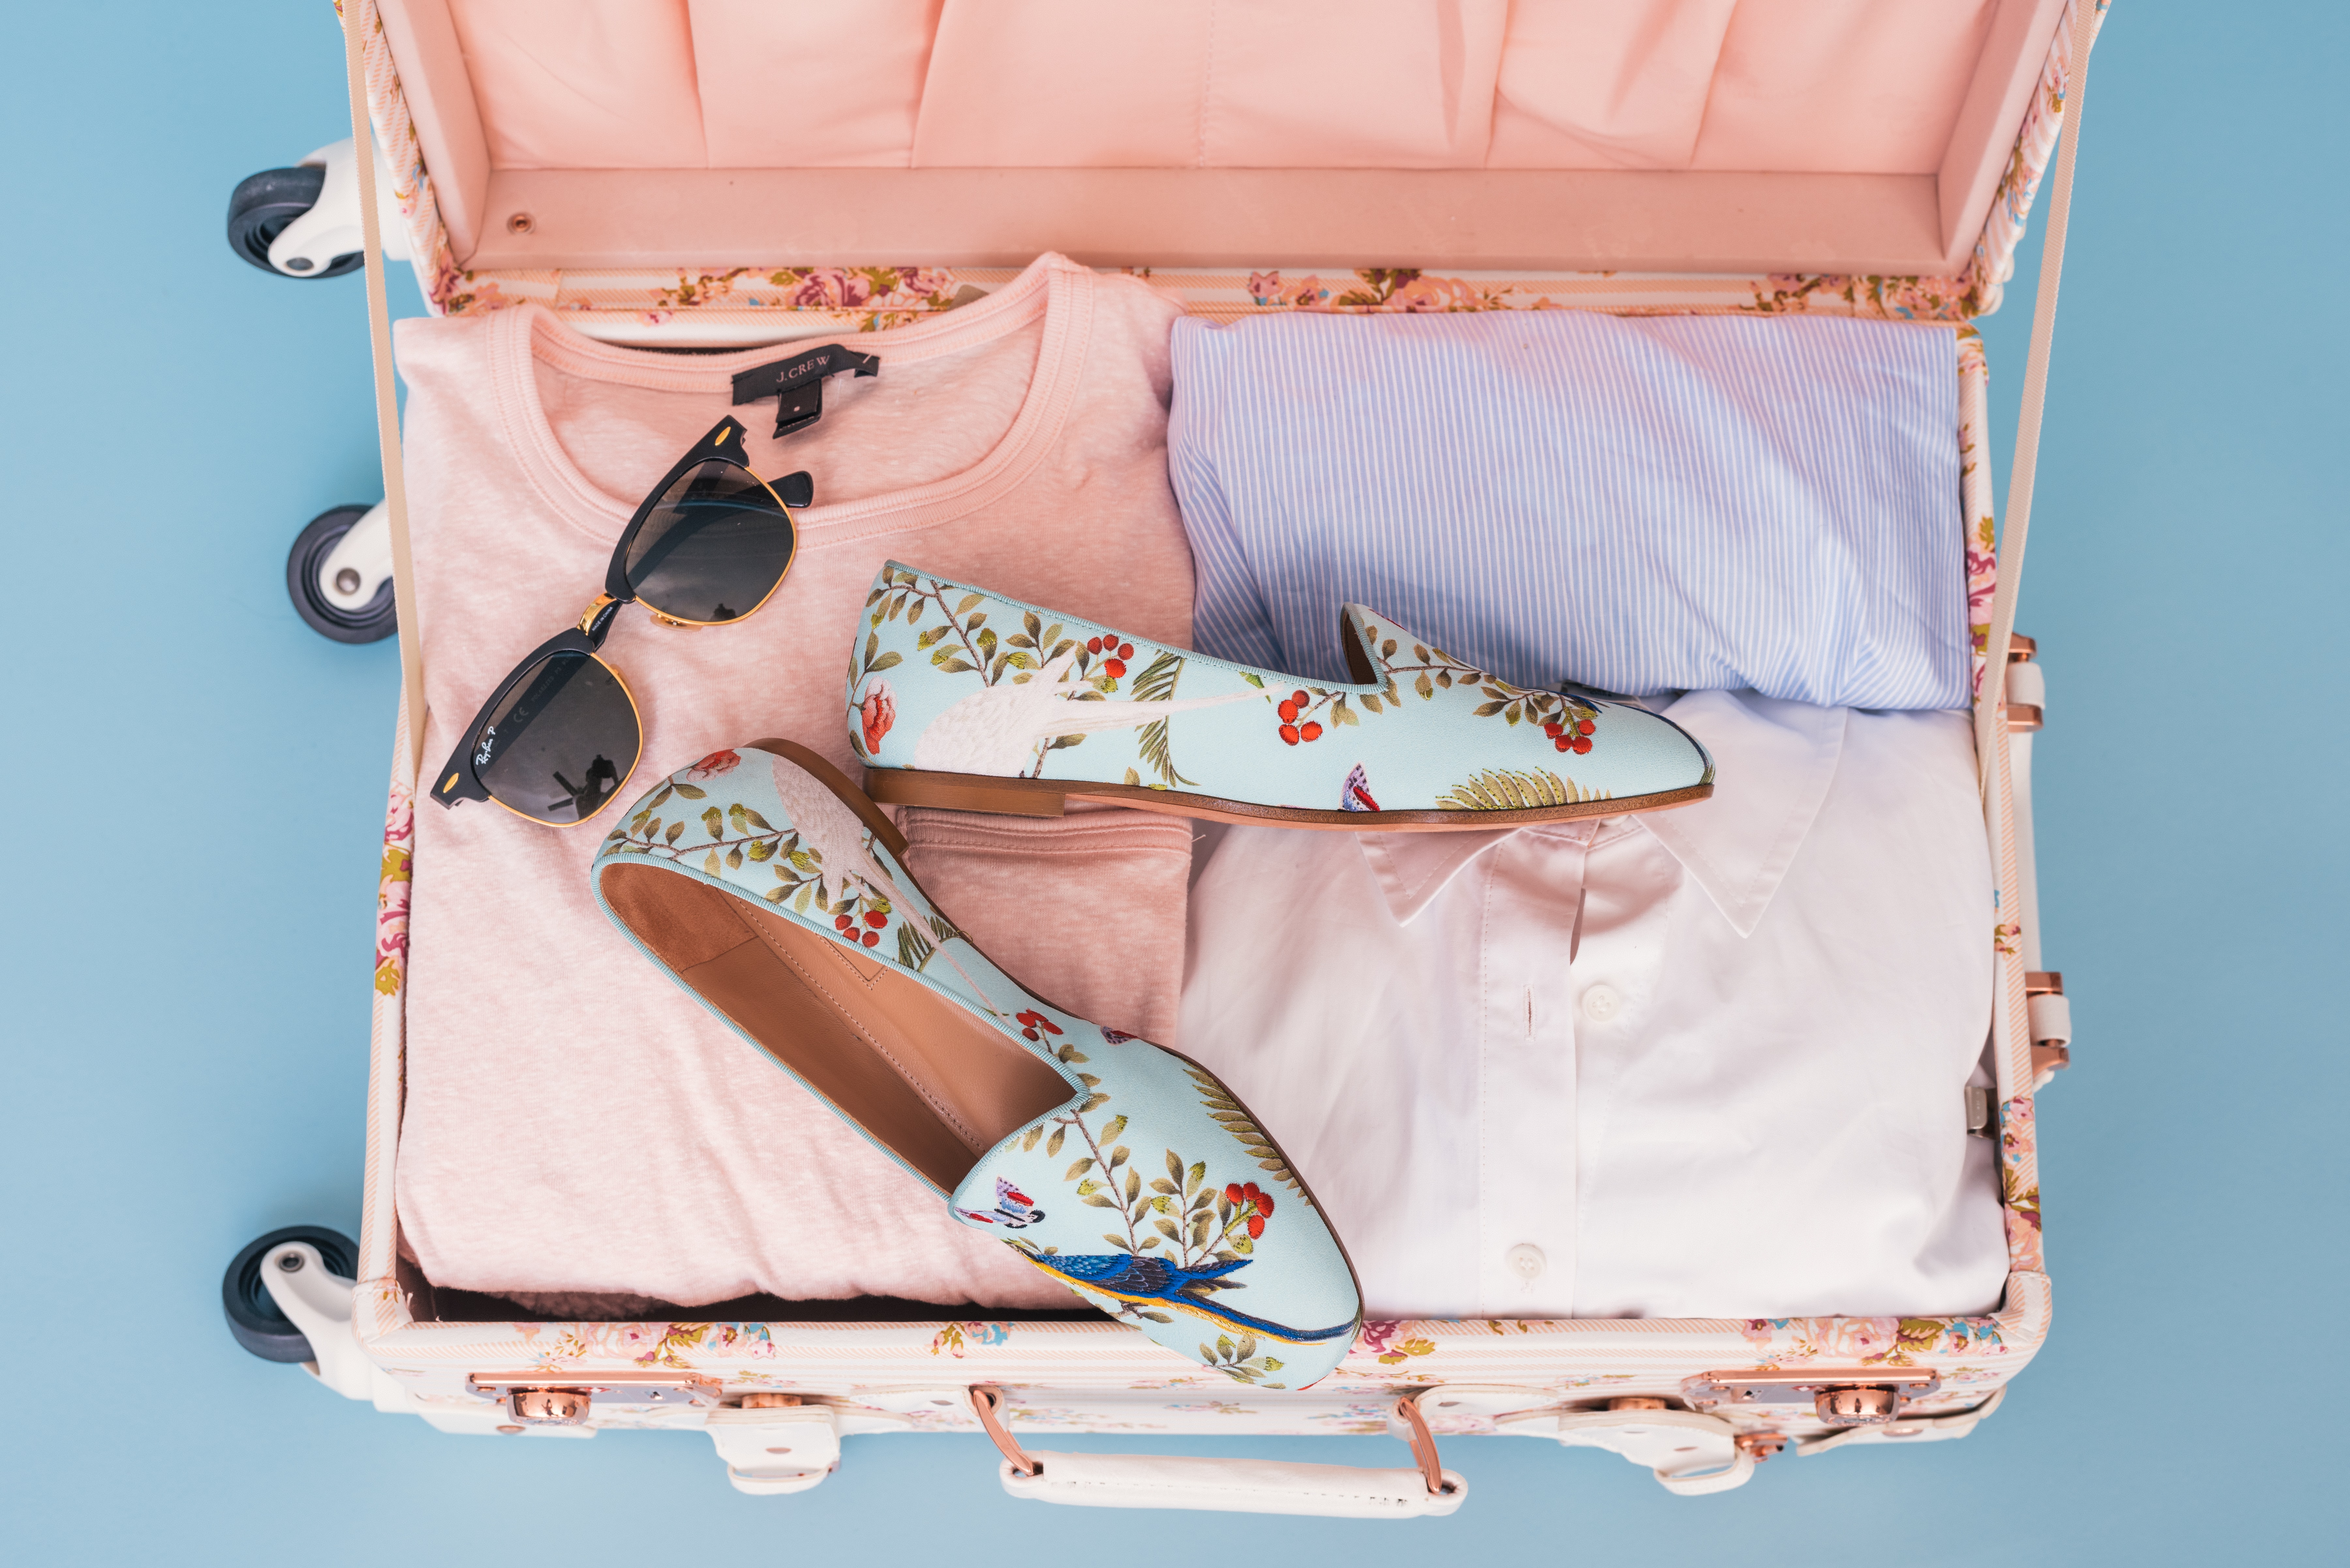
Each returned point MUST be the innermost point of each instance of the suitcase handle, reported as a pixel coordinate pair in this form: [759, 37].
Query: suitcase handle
[1230, 1486]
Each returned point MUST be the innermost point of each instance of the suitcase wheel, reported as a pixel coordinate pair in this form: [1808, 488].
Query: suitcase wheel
[252, 1313]
[316, 595]
[264, 203]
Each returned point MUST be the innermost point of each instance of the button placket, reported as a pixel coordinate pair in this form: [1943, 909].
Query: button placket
[1526, 1202]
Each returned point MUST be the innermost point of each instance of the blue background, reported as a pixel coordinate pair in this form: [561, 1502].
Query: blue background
[194, 792]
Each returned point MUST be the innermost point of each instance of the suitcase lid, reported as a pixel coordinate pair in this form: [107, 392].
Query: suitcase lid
[616, 157]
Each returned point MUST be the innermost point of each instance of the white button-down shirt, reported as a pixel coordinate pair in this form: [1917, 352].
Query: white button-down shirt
[1709, 1062]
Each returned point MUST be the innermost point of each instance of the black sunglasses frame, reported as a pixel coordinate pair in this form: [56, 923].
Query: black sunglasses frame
[459, 778]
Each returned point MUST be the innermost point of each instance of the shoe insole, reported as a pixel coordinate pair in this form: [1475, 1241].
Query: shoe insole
[922, 1076]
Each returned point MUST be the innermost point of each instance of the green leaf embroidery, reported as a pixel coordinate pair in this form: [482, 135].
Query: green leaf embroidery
[1228, 1112]
[1507, 789]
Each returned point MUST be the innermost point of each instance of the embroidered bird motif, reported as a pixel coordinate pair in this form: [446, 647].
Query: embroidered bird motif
[1014, 1209]
[1144, 1281]
[1357, 795]
[843, 852]
[837, 835]
[995, 731]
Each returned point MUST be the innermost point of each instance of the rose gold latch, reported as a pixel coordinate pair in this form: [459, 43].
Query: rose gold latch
[1841, 1396]
[536, 1399]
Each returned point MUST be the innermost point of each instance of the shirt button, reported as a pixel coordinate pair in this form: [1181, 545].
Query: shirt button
[1600, 1003]
[1526, 1261]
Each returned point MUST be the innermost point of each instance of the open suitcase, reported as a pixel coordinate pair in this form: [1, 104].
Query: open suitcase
[652, 257]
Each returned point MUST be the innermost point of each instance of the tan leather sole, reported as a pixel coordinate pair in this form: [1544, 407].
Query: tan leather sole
[924, 1078]
[1046, 797]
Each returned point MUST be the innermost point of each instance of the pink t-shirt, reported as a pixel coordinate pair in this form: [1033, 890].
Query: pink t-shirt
[574, 1121]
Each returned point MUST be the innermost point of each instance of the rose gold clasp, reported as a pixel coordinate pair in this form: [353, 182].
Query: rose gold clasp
[1423, 1444]
[986, 1401]
[539, 1399]
[1839, 1395]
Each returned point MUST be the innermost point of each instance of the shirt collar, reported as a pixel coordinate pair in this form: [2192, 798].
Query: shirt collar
[1774, 761]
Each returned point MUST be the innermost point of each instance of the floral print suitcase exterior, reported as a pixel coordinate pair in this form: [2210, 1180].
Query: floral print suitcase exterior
[1700, 1401]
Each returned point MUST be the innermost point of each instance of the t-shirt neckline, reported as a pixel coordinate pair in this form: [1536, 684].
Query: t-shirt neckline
[1052, 288]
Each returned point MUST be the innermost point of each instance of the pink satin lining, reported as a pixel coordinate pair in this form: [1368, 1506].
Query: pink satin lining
[1866, 87]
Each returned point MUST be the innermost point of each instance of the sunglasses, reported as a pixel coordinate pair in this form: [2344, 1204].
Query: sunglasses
[560, 736]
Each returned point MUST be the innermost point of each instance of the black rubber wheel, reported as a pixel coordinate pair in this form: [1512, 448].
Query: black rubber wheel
[252, 1313]
[264, 203]
[373, 622]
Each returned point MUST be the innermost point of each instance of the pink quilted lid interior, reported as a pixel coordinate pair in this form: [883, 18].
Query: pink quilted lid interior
[1927, 90]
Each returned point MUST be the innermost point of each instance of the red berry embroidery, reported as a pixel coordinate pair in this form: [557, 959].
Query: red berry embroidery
[1126, 650]
[1255, 1226]
[1093, 645]
[876, 919]
[1552, 729]
[1310, 732]
[1561, 744]
[1116, 666]
[872, 939]
[1299, 698]
[1583, 727]
[1031, 1034]
[1288, 712]
[1289, 734]
[842, 921]
[1582, 744]
[1264, 1204]
[1232, 1194]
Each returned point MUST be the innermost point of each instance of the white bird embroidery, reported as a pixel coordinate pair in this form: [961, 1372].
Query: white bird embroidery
[843, 852]
[996, 732]
[825, 824]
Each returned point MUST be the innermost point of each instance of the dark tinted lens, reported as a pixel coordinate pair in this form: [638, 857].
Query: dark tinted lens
[715, 546]
[561, 743]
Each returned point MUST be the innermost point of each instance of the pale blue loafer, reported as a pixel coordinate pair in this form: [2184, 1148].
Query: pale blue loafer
[962, 698]
[774, 892]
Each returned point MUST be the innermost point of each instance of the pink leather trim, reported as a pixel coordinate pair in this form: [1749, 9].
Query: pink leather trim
[440, 106]
[1574, 220]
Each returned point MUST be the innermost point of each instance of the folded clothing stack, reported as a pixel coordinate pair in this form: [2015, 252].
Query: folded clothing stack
[1705, 1062]
[1709, 1062]
[1645, 504]
[573, 1123]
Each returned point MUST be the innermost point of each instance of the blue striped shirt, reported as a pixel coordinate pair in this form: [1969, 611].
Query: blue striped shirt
[1639, 504]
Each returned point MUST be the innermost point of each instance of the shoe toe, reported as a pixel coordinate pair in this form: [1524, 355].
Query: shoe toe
[1158, 1198]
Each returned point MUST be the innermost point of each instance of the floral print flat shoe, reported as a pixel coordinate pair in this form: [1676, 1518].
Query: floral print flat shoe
[770, 888]
[962, 698]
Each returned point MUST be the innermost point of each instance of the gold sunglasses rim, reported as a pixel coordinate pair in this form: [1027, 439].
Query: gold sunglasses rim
[772, 588]
[636, 715]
